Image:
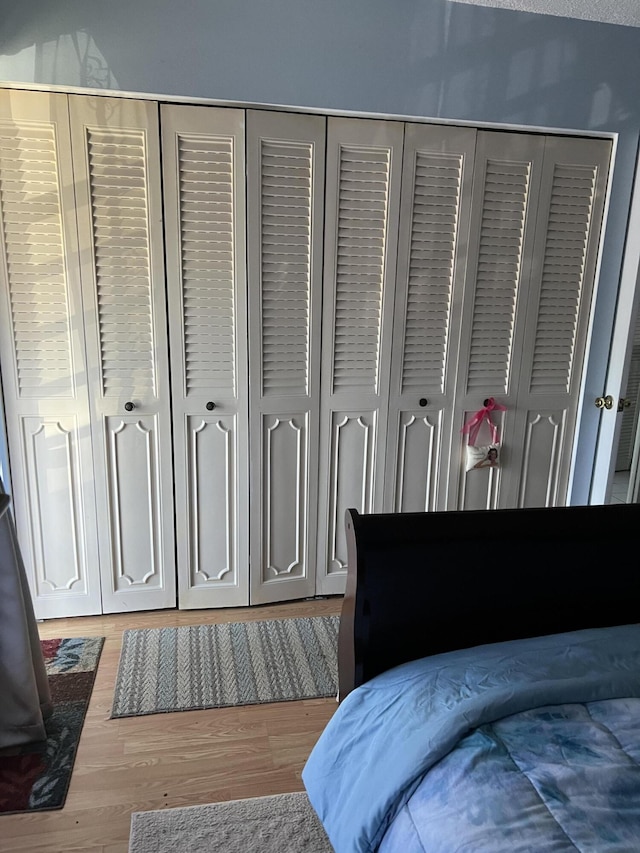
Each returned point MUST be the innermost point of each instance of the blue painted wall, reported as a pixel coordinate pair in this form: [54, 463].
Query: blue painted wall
[432, 58]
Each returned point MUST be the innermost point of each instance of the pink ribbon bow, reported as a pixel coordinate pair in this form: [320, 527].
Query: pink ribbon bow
[473, 425]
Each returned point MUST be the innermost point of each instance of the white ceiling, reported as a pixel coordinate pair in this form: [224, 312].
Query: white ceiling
[625, 12]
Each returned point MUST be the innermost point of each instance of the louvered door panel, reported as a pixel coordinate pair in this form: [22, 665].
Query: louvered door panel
[117, 169]
[285, 184]
[362, 222]
[122, 260]
[434, 225]
[498, 273]
[204, 184]
[205, 167]
[560, 291]
[364, 166]
[35, 260]
[562, 277]
[43, 360]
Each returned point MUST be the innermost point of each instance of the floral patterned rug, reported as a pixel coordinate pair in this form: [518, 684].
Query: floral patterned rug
[36, 777]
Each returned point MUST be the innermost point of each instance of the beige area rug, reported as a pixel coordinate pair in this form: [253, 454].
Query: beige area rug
[285, 823]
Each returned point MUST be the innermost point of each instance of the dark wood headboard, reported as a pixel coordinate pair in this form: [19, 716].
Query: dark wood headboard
[423, 583]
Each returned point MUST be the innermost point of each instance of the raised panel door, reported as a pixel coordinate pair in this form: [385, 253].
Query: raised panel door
[204, 197]
[364, 166]
[432, 251]
[285, 187]
[44, 371]
[116, 155]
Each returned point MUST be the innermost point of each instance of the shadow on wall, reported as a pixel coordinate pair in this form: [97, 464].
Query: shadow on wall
[38, 47]
[525, 69]
[432, 58]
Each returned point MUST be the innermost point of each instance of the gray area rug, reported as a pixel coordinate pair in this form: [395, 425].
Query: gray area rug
[285, 823]
[216, 666]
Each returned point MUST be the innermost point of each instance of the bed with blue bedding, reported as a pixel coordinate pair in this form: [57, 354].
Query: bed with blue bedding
[527, 742]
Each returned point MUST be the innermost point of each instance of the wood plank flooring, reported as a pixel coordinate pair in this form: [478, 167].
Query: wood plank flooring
[166, 760]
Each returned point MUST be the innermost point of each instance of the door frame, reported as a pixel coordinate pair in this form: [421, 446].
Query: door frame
[607, 372]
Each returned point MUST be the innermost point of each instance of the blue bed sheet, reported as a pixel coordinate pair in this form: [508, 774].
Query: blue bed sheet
[405, 760]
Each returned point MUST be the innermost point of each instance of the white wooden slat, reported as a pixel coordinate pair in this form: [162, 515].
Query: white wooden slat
[501, 240]
[286, 206]
[362, 221]
[563, 270]
[116, 163]
[436, 202]
[35, 260]
[205, 189]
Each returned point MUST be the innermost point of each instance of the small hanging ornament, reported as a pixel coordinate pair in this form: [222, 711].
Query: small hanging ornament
[483, 455]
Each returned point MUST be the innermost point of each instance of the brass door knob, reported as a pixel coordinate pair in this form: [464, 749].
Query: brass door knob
[604, 402]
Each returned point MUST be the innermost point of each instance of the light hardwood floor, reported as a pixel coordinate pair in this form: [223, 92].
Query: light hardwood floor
[166, 760]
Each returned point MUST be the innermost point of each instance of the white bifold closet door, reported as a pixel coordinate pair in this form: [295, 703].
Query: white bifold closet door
[364, 167]
[340, 295]
[285, 190]
[538, 206]
[44, 370]
[499, 236]
[116, 160]
[85, 358]
[204, 196]
[560, 297]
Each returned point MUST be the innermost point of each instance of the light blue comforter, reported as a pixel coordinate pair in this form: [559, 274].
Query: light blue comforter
[371, 763]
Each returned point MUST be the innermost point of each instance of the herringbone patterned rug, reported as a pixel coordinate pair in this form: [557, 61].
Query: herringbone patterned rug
[215, 666]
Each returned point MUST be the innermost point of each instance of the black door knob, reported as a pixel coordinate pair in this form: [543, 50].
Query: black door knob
[129, 407]
[210, 406]
[423, 401]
